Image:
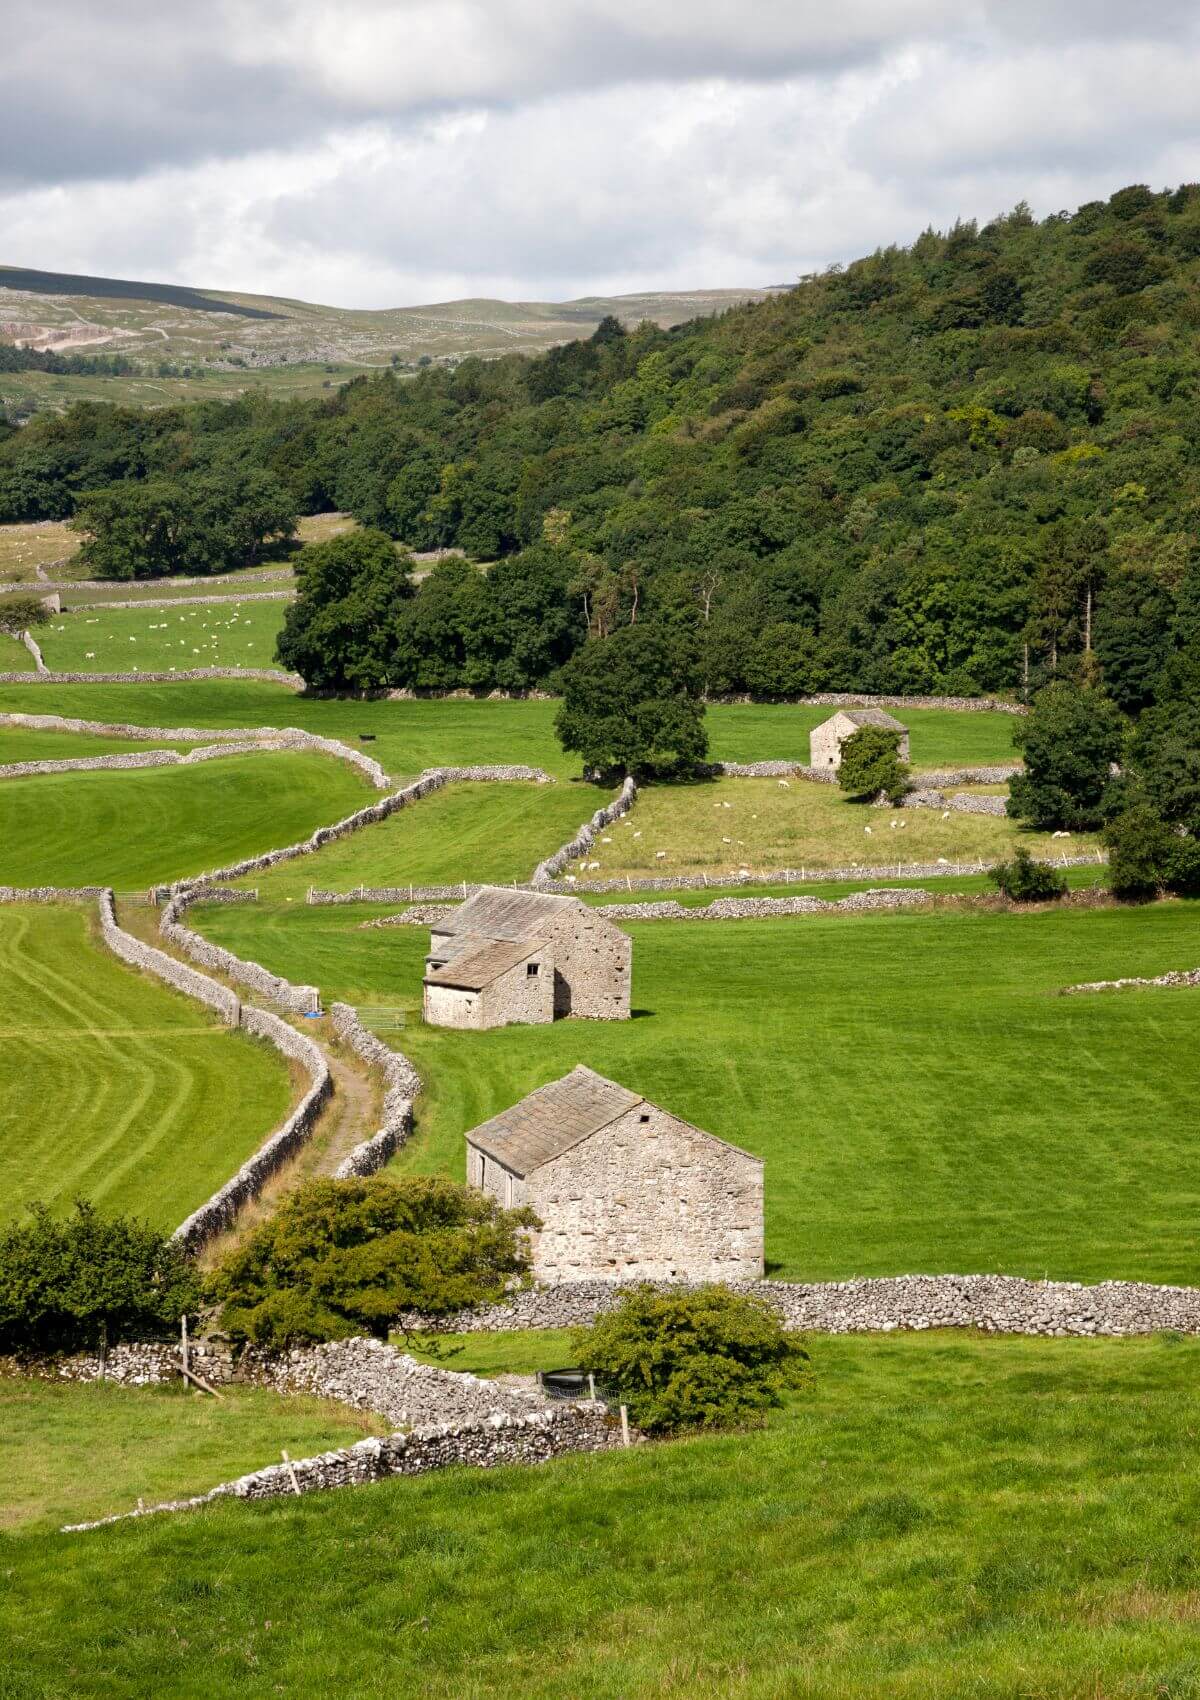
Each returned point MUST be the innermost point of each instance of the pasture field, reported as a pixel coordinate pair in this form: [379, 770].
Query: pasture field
[720, 826]
[25, 548]
[75, 1451]
[940, 1516]
[113, 1087]
[14, 657]
[485, 831]
[158, 590]
[134, 829]
[153, 640]
[922, 1097]
[413, 735]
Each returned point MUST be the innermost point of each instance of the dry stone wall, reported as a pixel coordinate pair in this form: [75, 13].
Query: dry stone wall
[292, 681]
[532, 1439]
[586, 836]
[1183, 977]
[401, 1085]
[758, 908]
[138, 954]
[189, 601]
[997, 1304]
[300, 1000]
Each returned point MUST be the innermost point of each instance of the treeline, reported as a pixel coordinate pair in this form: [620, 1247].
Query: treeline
[14, 359]
[968, 465]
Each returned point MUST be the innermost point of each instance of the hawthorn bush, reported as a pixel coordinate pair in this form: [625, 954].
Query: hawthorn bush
[707, 1358]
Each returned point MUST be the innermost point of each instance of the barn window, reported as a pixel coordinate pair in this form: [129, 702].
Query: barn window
[531, 969]
[644, 1117]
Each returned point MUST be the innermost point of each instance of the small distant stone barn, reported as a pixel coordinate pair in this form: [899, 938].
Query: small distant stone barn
[826, 740]
[530, 956]
[623, 1189]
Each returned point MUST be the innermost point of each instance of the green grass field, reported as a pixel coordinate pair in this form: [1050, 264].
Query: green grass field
[724, 825]
[922, 1098]
[153, 640]
[131, 829]
[485, 831]
[413, 735]
[112, 1087]
[940, 1517]
[27, 743]
[74, 1452]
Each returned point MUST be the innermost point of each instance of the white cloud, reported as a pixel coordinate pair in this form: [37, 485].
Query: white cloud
[381, 153]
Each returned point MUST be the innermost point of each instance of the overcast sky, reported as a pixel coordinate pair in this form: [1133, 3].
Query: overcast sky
[390, 152]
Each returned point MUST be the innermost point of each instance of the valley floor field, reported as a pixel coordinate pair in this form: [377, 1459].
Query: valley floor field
[922, 1097]
[411, 735]
[939, 1516]
[153, 640]
[115, 1088]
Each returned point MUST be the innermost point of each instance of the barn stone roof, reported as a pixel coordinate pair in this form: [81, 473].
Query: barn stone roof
[555, 1117]
[481, 961]
[495, 912]
[552, 1119]
[870, 717]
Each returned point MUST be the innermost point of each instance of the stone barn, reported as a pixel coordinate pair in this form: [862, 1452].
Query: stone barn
[624, 1190]
[825, 741]
[530, 956]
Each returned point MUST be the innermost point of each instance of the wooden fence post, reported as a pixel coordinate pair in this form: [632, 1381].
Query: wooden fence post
[624, 1425]
[291, 1472]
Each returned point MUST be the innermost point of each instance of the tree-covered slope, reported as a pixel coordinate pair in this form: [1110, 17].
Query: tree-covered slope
[925, 472]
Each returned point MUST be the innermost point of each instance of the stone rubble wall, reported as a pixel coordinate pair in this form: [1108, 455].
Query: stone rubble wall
[399, 893]
[300, 1000]
[27, 638]
[138, 954]
[250, 737]
[799, 876]
[1180, 977]
[50, 893]
[292, 681]
[420, 915]
[135, 759]
[498, 1440]
[926, 797]
[221, 1211]
[402, 1083]
[964, 705]
[586, 836]
[755, 908]
[186, 601]
[433, 779]
[997, 1304]
[213, 578]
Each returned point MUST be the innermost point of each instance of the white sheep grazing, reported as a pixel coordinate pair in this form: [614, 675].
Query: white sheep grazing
[572, 879]
[942, 862]
[893, 824]
[90, 656]
[606, 841]
[592, 866]
[783, 785]
[726, 805]
[727, 841]
[945, 814]
[1060, 835]
[867, 830]
[637, 835]
[904, 826]
[659, 855]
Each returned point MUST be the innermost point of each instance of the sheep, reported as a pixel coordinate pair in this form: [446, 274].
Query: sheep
[637, 835]
[893, 824]
[1060, 834]
[945, 814]
[727, 841]
[572, 879]
[659, 855]
[606, 841]
[783, 785]
[867, 830]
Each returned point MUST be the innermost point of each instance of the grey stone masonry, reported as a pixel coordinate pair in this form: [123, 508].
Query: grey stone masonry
[1182, 978]
[925, 797]
[292, 681]
[300, 1000]
[961, 705]
[28, 639]
[497, 1440]
[190, 601]
[402, 1083]
[587, 835]
[997, 1304]
[138, 954]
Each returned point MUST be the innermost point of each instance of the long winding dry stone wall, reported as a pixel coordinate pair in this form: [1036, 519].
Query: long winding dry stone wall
[756, 908]
[138, 954]
[221, 1211]
[927, 797]
[433, 779]
[532, 1439]
[300, 1000]
[997, 1304]
[50, 893]
[402, 1083]
[28, 639]
[798, 876]
[1184, 977]
[961, 705]
[292, 681]
[213, 578]
[587, 835]
[249, 737]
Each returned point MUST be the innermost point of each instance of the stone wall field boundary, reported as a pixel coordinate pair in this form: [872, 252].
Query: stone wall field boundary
[433, 779]
[291, 681]
[586, 836]
[402, 1083]
[186, 601]
[1179, 978]
[28, 639]
[802, 876]
[498, 1440]
[138, 954]
[299, 1000]
[277, 737]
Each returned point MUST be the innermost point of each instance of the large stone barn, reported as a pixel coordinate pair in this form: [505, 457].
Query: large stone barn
[825, 741]
[623, 1189]
[506, 956]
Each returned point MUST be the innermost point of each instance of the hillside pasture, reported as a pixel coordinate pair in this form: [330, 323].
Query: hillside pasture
[720, 827]
[113, 1087]
[155, 640]
[924, 1099]
[411, 735]
[489, 831]
[25, 548]
[131, 829]
[940, 1516]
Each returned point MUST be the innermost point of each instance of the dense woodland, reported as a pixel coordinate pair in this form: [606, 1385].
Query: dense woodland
[957, 467]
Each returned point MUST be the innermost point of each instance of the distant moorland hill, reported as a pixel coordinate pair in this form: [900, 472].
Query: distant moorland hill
[945, 467]
[168, 343]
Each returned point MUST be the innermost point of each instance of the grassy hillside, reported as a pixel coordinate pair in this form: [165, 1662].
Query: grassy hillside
[114, 1088]
[157, 640]
[923, 1099]
[133, 829]
[941, 1516]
